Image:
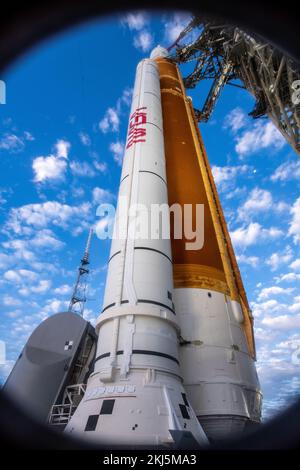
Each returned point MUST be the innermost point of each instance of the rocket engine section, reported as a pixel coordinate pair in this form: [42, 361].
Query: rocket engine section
[135, 395]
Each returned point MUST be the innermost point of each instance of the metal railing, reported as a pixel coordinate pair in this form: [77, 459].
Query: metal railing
[61, 413]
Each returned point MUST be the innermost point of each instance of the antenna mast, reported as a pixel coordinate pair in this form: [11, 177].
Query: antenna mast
[78, 298]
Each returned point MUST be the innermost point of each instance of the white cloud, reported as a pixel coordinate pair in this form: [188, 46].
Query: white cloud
[274, 290]
[289, 277]
[85, 139]
[6, 192]
[78, 191]
[225, 176]
[24, 291]
[18, 276]
[26, 250]
[110, 122]
[40, 215]
[278, 259]
[45, 238]
[12, 143]
[272, 233]
[28, 136]
[4, 260]
[117, 149]
[292, 342]
[278, 374]
[12, 276]
[254, 135]
[45, 267]
[245, 236]
[264, 334]
[101, 195]
[63, 289]
[48, 168]
[295, 307]
[281, 207]
[254, 233]
[235, 193]
[89, 315]
[55, 306]
[27, 282]
[42, 287]
[10, 301]
[235, 120]
[52, 167]
[261, 135]
[20, 250]
[143, 41]
[295, 265]
[250, 260]
[259, 200]
[282, 322]
[126, 97]
[174, 26]
[135, 21]
[294, 228]
[268, 306]
[62, 148]
[100, 166]
[27, 274]
[287, 171]
[82, 169]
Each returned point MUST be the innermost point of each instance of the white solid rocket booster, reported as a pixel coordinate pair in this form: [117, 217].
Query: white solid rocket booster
[135, 394]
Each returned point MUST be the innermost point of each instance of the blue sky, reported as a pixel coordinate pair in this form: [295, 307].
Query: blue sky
[61, 143]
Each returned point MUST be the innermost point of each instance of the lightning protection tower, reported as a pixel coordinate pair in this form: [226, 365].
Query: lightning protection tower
[78, 298]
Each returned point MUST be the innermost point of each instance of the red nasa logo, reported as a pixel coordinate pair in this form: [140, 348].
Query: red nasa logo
[135, 132]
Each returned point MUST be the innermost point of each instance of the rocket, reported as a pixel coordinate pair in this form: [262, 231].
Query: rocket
[217, 350]
[135, 394]
[175, 352]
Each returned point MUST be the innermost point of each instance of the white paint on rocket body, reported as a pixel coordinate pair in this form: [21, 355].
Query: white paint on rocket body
[219, 374]
[135, 394]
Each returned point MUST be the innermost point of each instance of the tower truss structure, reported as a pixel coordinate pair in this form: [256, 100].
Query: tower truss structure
[78, 298]
[229, 56]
